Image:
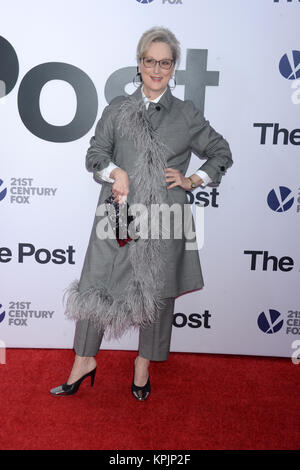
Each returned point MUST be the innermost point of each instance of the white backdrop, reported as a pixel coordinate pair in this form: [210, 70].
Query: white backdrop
[250, 302]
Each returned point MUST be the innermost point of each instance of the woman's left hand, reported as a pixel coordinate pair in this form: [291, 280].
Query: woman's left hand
[178, 179]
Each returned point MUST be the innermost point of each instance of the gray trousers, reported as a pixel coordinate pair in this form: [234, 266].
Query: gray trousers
[154, 340]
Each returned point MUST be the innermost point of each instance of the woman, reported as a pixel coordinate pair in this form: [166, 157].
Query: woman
[141, 151]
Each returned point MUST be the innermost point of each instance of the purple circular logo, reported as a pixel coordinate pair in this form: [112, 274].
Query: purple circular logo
[270, 322]
[289, 65]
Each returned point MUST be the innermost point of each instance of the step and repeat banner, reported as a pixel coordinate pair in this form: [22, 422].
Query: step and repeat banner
[61, 62]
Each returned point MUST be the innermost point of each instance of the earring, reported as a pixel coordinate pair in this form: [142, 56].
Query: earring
[137, 80]
[174, 86]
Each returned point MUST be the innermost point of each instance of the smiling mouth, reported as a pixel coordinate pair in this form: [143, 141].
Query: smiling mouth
[156, 79]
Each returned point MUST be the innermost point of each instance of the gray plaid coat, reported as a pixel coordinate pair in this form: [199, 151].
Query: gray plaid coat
[108, 268]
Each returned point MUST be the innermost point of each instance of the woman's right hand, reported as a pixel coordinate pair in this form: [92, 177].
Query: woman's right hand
[120, 187]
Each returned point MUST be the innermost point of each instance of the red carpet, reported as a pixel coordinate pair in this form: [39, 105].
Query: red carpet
[198, 401]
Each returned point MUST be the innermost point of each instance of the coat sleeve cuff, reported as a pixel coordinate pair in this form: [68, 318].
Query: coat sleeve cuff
[104, 174]
[204, 176]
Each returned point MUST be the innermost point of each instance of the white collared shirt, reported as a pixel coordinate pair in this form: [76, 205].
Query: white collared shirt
[104, 174]
[156, 100]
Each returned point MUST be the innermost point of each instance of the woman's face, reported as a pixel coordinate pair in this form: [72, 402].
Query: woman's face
[155, 79]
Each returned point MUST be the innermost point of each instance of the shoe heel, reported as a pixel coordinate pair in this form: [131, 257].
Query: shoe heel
[93, 373]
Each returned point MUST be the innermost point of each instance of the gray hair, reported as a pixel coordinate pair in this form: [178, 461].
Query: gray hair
[158, 34]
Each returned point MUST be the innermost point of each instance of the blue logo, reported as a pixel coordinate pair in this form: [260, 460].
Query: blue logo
[144, 1]
[289, 65]
[2, 315]
[271, 322]
[280, 202]
[3, 192]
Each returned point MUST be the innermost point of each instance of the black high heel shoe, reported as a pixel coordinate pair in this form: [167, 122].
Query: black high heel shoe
[141, 393]
[66, 389]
